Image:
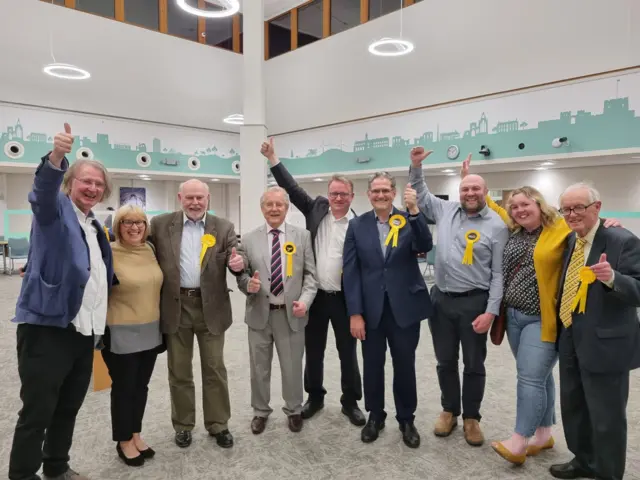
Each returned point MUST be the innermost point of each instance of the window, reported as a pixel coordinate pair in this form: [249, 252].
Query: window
[309, 23]
[145, 13]
[218, 31]
[280, 35]
[378, 8]
[99, 7]
[181, 23]
[344, 15]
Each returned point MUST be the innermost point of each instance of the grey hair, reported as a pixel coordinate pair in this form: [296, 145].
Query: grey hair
[181, 187]
[72, 171]
[278, 190]
[386, 175]
[594, 195]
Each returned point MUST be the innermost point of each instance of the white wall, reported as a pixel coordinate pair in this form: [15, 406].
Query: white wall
[136, 73]
[494, 45]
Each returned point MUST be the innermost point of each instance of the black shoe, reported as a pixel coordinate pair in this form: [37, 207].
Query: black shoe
[131, 462]
[183, 438]
[355, 415]
[311, 407]
[148, 453]
[224, 438]
[410, 435]
[371, 430]
[570, 470]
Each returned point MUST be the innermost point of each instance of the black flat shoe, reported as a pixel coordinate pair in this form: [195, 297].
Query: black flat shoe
[224, 438]
[371, 430]
[183, 438]
[355, 415]
[570, 470]
[147, 453]
[131, 462]
[410, 435]
[310, 408]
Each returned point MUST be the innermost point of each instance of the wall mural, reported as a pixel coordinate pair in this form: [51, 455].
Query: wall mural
[27, 134]
[591, 115]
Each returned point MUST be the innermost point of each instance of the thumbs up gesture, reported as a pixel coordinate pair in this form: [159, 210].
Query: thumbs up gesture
[418, 155]
[269, 151]
[603, 269]
[410, 199]
[254, 283]
[62, 144]
[236, 262]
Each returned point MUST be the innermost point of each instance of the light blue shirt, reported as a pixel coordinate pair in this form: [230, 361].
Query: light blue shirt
[383, 232]
[190, 248]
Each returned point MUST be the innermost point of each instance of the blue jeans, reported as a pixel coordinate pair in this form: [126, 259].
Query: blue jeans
[535, 360]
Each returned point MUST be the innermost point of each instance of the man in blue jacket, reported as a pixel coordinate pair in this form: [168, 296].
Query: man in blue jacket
[61, 310]
[387, 299]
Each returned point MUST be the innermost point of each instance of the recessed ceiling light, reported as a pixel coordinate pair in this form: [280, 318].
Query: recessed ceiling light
[394, 47]
[233, 6]
[215, 179]
[144, 176]
[451, 174]
[541, 168]
[317, 179]
[235, 119]
[448, 170]
[66, 71]
[547, 164]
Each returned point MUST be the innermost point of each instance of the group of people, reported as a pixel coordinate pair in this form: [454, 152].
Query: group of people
[563, 283]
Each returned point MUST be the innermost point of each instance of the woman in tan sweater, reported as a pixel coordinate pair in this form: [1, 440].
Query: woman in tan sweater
[133, 339]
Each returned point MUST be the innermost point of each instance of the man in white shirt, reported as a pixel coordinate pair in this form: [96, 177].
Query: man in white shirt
[327, 219]
[61, 312]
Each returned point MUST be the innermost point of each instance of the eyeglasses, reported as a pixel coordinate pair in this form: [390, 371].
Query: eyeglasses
[383, 191]
[578, 210]
[131, 223]
[339, 194]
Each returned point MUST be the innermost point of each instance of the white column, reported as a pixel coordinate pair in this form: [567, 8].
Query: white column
[253, 166]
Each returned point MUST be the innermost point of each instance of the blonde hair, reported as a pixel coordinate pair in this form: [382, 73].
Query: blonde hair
[548, 214]
[127, 212]
[71, 174]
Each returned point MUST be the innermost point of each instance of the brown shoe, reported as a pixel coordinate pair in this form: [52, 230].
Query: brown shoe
[295, 423]
[472, 433]
[258, 424]
[445, 424]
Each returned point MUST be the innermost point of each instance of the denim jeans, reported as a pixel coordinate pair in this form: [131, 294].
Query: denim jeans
[535, 360]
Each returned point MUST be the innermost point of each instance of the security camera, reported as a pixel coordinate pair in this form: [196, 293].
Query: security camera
[484, 151]
[558, 142]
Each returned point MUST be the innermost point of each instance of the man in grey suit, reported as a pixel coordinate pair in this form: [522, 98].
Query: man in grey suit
[279, 254]
[599, 337]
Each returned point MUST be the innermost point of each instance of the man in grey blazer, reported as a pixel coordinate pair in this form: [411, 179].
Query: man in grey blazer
[280, 286]
[599, 337]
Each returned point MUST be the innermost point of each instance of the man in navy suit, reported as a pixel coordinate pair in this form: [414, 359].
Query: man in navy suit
[387, 299]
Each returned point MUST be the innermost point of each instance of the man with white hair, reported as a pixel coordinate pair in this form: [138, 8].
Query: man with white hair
[599, 340]
[195, 249]
[280, 286]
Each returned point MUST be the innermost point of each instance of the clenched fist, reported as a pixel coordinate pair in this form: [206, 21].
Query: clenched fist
[62, 144]
[418, 154]
[299, 309]
[254, 283]
[410, 199]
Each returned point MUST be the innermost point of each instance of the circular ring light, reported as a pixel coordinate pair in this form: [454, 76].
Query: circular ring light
[194, 163]
[233, 8]
[400, 47]
[235, 119]
[143, 159]
[66, 71]
[14, 150]
[84, 153]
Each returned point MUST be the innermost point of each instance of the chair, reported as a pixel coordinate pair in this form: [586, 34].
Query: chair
[18, 250]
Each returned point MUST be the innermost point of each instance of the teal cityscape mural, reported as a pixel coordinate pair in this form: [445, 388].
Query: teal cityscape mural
[616, 127]
[17, 147]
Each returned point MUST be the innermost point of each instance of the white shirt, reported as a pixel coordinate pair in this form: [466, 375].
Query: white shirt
[329, 246]
[92, 317]
[279, 300]
[190, 248]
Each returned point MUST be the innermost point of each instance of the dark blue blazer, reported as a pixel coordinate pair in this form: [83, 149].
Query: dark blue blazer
[368, 274]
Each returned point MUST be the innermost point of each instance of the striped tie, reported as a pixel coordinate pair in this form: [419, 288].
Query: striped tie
[571, 281]
[276, 264]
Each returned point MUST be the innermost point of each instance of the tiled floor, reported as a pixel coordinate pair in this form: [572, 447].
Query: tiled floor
[327, 448]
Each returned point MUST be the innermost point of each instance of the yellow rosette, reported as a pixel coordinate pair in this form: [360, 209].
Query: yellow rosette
[587, 277]
[396, 222]
[472, 236]
[289, 250]
[106, 232]
[208, 241]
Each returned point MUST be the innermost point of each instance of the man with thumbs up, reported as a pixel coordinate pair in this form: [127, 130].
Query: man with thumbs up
[277, 310]
[61, 311]
[195, 250]
[599, 341]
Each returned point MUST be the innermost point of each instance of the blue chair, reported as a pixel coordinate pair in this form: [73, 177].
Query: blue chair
[18, 250]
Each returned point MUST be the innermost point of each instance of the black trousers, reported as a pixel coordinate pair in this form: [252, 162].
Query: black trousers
[402, 343]
[130, 375]
[330, 307]
[55, 367]
[594, 413]
[451, 327]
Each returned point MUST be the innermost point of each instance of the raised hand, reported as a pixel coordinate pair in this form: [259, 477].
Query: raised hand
[603, 269]
[268, 150]
[418, 154]
[254, 283]
[410, 199]
[236, 262]
[464, 170]
[62, 144]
